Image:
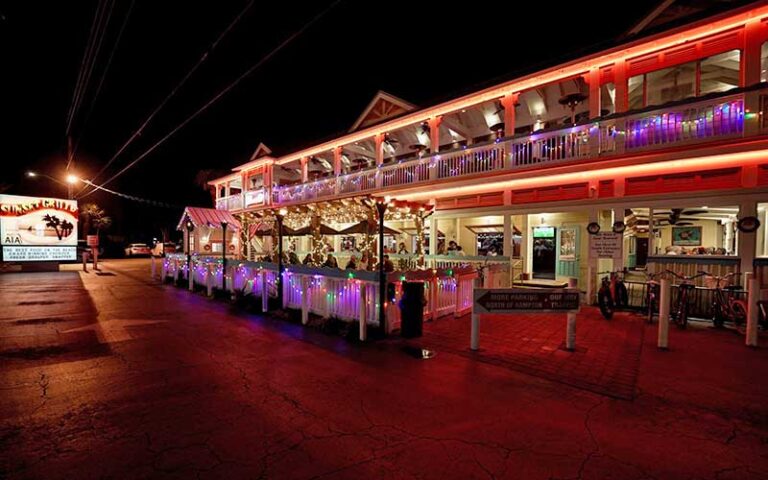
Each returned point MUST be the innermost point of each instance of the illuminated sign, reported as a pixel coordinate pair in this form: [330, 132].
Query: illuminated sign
[37, 229]
[543, 232]
[254, 197]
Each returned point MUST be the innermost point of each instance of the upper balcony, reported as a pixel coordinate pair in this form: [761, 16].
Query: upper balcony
[694, 122]
[654, 98]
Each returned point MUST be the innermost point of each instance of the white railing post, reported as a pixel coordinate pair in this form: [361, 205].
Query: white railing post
[433, 297]
[664, 302]
[209, 276]
[264, 292]
[570, 330]
[304, 300]
[363, 310]
[753, 295]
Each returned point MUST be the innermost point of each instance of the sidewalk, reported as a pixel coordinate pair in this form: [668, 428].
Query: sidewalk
[606, 359]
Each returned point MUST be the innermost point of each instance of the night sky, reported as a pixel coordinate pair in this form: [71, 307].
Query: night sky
[422, 51]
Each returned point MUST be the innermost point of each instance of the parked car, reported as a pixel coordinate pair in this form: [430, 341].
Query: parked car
[137, 250]
[160, 249]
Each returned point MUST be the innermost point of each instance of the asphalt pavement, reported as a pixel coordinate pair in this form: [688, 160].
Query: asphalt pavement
[112, 375]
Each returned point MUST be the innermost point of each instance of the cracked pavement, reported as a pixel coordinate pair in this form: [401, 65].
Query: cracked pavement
[119, 377]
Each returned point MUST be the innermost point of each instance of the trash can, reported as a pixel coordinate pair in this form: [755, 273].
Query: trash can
[412, 309]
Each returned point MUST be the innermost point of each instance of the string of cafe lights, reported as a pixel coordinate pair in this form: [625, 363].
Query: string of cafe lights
[154, 203]
[221, 93]
[137, 133]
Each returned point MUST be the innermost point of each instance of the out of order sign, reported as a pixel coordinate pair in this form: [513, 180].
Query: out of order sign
[511, 300]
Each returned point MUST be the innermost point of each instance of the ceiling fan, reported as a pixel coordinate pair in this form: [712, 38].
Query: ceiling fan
[674, 215]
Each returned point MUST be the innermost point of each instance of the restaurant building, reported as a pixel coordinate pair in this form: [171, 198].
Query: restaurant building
[662, 138]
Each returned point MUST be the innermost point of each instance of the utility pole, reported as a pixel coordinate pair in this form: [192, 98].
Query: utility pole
[70, 162]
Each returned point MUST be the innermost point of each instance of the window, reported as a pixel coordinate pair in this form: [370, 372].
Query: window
[607, 99]
[671, 84]
[636, 92]
[764, 62]
[718, 73]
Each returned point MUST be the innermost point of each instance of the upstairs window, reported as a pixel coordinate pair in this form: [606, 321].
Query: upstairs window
[718, 73]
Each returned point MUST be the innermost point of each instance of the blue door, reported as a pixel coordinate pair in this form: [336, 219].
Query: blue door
[567, 250]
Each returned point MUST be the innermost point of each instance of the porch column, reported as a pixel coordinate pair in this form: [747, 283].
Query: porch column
[526, 259]
[651, 236]
[337, 161]
[750, 60]
[622, 87]
[508, 246]
[304, 169]
[508, 102]
[747, 241]
[432, 236]
[268, 169]
[378, 140]
[593, 79]
[434, 134]
[594, 216]
[618, 216]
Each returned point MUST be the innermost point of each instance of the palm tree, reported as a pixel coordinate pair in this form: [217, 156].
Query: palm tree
[52, 221]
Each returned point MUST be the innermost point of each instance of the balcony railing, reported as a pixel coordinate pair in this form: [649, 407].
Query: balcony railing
[684, 123]
[232, 202]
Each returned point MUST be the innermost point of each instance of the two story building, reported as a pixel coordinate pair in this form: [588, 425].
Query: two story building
[662, 138]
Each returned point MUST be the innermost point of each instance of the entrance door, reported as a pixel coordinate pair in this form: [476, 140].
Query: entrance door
[567, 249]
[642, 252]
[544, 255]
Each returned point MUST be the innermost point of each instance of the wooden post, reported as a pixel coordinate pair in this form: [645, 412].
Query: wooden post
[304, 300]
[363, 310]
[209, 280]
[570, 330]
[264, 292]
[664, 302]
[752, 312]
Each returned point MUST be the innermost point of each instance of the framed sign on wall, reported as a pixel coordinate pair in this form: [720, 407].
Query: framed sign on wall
[686, 236]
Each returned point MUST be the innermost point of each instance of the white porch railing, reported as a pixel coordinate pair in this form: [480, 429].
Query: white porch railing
[232, 202]
[682, 124]
[346, 295]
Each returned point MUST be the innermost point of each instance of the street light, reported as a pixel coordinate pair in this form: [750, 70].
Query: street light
[69, 180]
[381, 209]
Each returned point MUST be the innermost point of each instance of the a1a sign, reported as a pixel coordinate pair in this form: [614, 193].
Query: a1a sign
[512, 300]
[92, 240]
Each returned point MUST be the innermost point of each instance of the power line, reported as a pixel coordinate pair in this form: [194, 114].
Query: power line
[223, 92]
[89, 62]
[103, 76]
[175, 89]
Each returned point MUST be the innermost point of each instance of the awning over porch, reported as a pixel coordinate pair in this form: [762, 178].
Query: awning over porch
[208, 217]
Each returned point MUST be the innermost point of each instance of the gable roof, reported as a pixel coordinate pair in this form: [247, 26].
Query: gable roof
[261, 151]
[382, 107]
[209, 217]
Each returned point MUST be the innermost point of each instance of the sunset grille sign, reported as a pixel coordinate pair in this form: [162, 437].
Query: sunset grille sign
[37, 228]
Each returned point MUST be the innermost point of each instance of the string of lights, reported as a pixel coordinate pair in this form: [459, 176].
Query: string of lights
[154, 203]
[137, 133]
[221, 93]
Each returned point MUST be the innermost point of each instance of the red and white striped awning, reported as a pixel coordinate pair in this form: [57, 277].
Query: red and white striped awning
[209, 217]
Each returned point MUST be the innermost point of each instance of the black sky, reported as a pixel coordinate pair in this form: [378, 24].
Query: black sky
[422, 51]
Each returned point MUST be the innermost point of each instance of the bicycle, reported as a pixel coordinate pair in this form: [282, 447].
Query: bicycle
[725, 307]
[652, 294]
[679, 313]
[612, 293]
